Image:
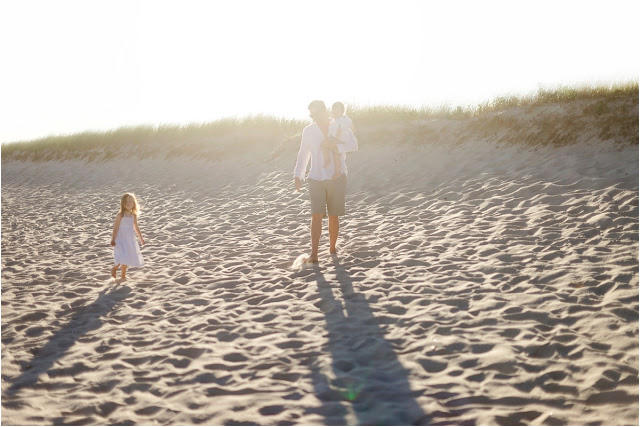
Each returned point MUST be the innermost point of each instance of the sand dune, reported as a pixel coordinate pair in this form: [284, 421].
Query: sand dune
[480, 283]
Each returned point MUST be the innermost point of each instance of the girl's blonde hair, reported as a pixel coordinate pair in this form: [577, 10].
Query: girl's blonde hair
[135, 210]
[338, 108]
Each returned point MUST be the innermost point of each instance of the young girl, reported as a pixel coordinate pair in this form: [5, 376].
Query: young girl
[338, 128]
[126, 252]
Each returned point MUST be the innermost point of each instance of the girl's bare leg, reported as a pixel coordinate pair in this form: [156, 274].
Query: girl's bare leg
[124, 271]
[114, 270]
[326, 155]
[338, 166]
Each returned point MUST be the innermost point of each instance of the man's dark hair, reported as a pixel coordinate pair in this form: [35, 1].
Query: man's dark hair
[316, 106]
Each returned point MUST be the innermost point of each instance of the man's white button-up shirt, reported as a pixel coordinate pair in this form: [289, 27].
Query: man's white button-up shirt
[311, 149]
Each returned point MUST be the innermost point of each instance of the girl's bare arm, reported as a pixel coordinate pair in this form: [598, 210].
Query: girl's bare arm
[115, 229]
[135, 227]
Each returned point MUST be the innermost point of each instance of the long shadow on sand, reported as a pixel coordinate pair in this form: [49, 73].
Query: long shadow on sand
[85, 319]
[367, 380]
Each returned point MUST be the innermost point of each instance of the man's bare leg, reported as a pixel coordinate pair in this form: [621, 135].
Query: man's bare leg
[316, 231]
[124, 272]
[334, 229]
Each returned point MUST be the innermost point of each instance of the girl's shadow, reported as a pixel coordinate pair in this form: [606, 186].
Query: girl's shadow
[85, 319]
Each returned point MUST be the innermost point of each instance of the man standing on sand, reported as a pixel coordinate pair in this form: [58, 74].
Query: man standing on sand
[325, 192]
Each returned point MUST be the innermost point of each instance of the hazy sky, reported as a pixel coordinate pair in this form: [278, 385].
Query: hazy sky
[69, 66]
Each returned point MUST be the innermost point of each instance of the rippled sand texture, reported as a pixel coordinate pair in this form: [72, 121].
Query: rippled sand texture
[475, 285]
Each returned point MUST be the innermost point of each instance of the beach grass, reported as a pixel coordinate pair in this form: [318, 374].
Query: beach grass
[544, 96]
[613, 109]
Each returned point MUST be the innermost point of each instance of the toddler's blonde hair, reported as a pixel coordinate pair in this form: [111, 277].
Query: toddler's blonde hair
[338, 108]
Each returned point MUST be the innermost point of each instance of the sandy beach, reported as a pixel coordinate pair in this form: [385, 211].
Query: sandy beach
[484, 281]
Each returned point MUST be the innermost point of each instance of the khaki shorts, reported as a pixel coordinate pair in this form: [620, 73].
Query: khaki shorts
[329, 194]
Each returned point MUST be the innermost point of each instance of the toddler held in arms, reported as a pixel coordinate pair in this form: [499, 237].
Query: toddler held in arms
[126, 252]
[340, 125]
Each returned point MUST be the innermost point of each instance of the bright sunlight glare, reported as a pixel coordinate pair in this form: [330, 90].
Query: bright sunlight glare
[73, 65]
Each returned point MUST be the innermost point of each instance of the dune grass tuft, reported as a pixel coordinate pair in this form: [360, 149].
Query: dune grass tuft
[560, 94]
[144, 141]
[608, 106]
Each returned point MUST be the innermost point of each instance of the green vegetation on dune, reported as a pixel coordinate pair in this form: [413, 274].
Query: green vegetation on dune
[611, 110]
[562, 94]
[146, 141]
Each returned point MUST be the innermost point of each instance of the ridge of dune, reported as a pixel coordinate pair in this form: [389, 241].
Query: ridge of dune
[488, 274]
[560, 123]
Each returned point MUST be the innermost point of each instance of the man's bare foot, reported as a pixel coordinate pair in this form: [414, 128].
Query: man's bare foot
[113, 271]
[311, 260]
[333, 251]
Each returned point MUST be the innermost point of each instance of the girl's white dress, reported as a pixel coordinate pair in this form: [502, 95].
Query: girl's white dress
[127, 251]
